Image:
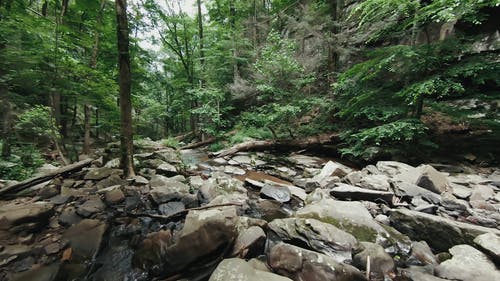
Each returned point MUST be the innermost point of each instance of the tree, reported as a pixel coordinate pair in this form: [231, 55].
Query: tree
[126, 137]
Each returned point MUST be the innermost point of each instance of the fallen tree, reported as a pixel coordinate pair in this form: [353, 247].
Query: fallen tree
[43, 178]
[308, 142]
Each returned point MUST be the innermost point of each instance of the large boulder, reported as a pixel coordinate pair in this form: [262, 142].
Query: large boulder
[239, 270]
[345, 191]
[490, 244]
[319, 236]
[300, 264]
[277, 192]
[101, 173]
[30, 215]
[427, 177]
[439, 232]
[207, 235]
[250, 243]
[85, 239]
[381, 263]
[375, 182]
[165, 189]
[467, 264]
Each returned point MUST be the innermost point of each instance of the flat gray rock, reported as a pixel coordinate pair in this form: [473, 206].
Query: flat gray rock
[490, 244]
[276, 192]
[239, 270]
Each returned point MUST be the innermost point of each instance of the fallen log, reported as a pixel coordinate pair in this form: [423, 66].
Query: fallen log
[272, 144]
[198, 144]
[43, 178]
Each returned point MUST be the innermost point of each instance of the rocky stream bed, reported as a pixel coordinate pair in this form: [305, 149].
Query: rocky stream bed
[255, 216]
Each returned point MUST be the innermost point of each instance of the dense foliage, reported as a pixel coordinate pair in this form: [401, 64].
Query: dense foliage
[376, 71]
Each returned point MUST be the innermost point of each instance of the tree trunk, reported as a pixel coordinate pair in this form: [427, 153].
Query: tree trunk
[86, 138]
[126, 138]
[200, 33]
[6, 130]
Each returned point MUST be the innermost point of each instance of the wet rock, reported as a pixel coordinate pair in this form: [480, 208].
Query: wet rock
[114, 196]
[381, 263]
[205, 236]
[427, 177]
[421, 254]
[234, 170]
[90, 207]
[321, 237]
[441, 233]
[150, 251]
[345, 191]
[239, 270]
[250, 243]
[489, 243]
[300, 264]
[166, 169]
[276, 192]
[171, 208]
[467, 264]
[85, 239]
[352, 217]
[101, 173]
[30, 215]
[42, 273]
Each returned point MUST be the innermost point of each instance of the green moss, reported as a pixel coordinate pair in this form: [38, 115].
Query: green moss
[361, 232]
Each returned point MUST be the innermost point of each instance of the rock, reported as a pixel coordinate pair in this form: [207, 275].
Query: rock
[392, 168]
[375, 182]
[448, 201]
[166, 169]
[304, 160]
[411, 274]
[317, 195]
[85, 239]
[112, 180]
[173, 190]
[31, 215]
[60, 199]
[114, 196]
[331, 169]
[90, 207]
[139, 180]
[467, 264]
[204, 237]
[243, 159]
[461, 191]
[482, 192]
[171, 208]
[352, 217]
[52, 248]
[101, 173]
[42, 273]
[149, 252]
[411, 190]
[250, 243]
[345, 191]
[441, 233]
[276, 192]
[219, 161]
[234, 170]
[16, 250]
[113, 163]
[169, 155]
[381, 263]
[489, 243]
[318, 236]
[69, 217]
[300, 264]
[269, 210]
[382, 219]
[421, 254]
[427, 177]
[45, 169]
[240, 270]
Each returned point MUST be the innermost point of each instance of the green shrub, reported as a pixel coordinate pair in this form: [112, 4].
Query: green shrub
[22, 164]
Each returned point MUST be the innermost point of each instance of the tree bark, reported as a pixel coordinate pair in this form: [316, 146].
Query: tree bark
[126, 138]
[86, 138]
[6, 130]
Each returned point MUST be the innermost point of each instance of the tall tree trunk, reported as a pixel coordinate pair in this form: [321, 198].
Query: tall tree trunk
[126, 138]
[232, 22]
[200, 34]
[86, 138]
[7, 124]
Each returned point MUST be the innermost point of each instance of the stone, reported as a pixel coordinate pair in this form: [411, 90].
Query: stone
[69, 217]
[392, 168]
[85, 239]
[382, 219]
[345, 191]
[277, 192]
[407, 189]
[52, 248]
[381, 262]
[269, 210]
[332, 169]
[249, 243]
[16, 250]
[317, 195]
[112, 180]
[421, 254]
[205, 235]
[375, 182]
[352, 217]
[467, 264]
[90, 207]
[101, 173]
[318, 236]
[489, 243]
[482, 192]
[239, 270]
[427, 177]
[139, 180]
[450, 202]
[220, 161]
[234, 170]
[304, 160]
[243, 159]
[461, 191]
[166, 169]
[173, 190]
[171, 208]
[441, 233]
[42, 273]
[149, 252]
[60, 199]
[300, 264]
[114, 196]
[412, 274]
[31, 215]
[169, 155]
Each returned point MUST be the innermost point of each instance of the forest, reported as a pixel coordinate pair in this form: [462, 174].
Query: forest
[203, 97]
